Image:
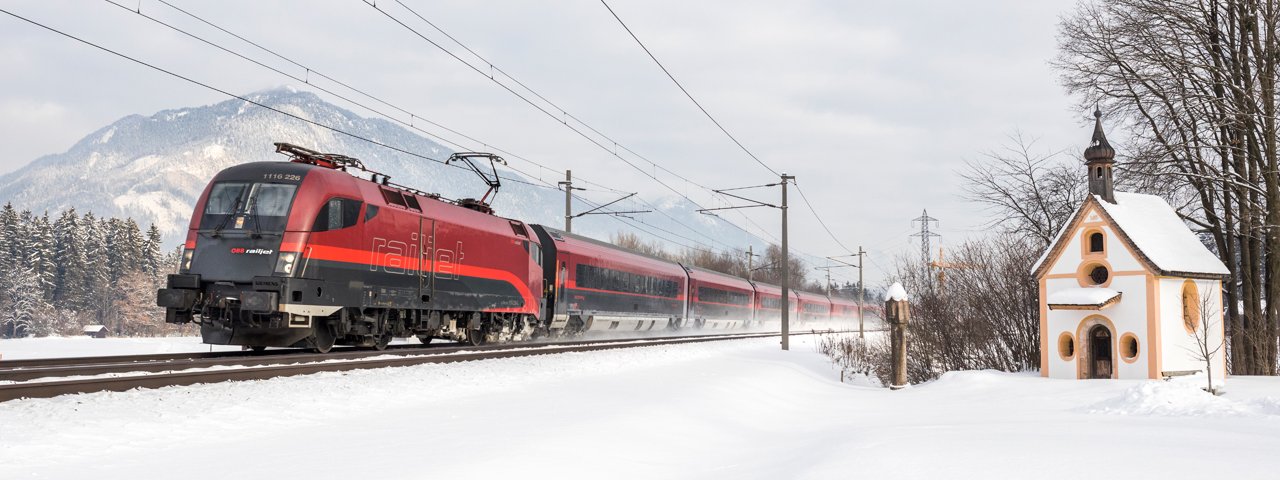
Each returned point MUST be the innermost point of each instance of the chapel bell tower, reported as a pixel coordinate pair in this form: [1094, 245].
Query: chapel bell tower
[1099, 158]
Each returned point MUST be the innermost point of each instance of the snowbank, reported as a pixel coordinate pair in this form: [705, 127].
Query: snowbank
[1176, 398]
[741, 409]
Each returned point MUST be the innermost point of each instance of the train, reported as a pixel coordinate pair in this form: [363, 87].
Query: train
[321, 251]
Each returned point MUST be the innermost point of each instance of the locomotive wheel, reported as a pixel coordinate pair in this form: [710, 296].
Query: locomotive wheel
[381, 342]
[475, 337]
[425, 339]
[322, 339]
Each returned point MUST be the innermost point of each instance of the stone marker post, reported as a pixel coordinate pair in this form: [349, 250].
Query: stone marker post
[897, 313]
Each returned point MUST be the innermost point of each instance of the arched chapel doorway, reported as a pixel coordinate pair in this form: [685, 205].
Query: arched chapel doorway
[1100, 354]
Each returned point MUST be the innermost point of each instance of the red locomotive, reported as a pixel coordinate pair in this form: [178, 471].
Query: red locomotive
[321, 251]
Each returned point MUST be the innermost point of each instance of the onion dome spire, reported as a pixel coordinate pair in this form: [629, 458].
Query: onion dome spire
[1099, 158]
[1099, 150]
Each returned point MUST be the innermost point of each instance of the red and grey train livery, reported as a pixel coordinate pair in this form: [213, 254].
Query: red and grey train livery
[311, 253]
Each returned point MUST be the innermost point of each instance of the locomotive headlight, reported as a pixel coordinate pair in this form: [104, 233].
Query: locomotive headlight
[284, 264]
[185, 266]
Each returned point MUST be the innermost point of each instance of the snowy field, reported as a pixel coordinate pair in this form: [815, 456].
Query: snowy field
[737, 409]
[51, 347]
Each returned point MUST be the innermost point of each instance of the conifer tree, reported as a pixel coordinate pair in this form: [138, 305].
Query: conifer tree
[40, 255]
[69, 277]
[151, 253]
[10, 237]
[96, 288]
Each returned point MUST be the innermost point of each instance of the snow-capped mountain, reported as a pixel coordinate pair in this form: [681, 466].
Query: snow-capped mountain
[153, 168]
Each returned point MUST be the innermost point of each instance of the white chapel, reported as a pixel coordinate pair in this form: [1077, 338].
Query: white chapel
[1126, 288]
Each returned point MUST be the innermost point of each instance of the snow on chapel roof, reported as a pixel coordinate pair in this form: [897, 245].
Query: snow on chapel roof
[1155, 230]
[1090, 298]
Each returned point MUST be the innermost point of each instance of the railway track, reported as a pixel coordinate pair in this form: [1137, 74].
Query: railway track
[50, 377]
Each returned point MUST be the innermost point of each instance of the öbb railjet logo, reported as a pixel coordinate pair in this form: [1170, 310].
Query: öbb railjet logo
[252, 251]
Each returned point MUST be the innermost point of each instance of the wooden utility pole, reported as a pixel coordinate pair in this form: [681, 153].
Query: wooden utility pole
[897, 313]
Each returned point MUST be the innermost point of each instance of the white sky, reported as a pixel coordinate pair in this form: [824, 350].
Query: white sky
[873, 105]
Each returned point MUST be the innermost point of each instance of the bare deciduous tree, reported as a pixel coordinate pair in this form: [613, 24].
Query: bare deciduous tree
[984, 314]
[1026, 193]
[1207, 345]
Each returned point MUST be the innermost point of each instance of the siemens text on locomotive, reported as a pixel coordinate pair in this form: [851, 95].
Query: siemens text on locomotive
[320, 251]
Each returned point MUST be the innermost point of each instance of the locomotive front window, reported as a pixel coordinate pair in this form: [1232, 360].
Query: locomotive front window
[257, 207]
[271, 199]
[224, 197]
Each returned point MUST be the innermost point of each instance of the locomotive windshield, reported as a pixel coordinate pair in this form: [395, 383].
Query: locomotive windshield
[254, 207]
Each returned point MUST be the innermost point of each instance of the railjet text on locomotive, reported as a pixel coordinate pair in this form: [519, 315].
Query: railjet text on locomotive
[321, 250]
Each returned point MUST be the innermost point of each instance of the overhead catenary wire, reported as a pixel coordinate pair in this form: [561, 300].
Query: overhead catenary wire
[819, 218]
[686, 91]
[717, 122]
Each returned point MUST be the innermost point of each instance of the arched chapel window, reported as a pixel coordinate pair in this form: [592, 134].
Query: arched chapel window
[1190, 306]
[1095, 242]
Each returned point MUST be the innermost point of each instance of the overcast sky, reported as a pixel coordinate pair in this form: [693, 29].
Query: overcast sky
[873, 105]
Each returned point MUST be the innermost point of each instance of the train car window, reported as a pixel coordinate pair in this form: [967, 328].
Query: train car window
[590, 276]
[336, 214]
[393, 197]
[370, 212]
[716, 295]
[412, 202]
[771, 302]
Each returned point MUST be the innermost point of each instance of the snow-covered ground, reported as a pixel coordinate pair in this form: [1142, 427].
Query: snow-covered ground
[737, 409]
[51, 347]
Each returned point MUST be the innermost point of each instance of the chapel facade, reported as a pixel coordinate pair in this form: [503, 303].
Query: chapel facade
[1127, 291]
